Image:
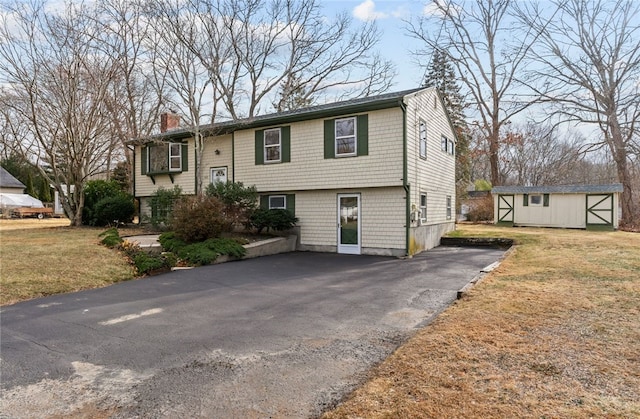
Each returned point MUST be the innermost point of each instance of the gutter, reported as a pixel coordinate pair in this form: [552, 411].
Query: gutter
[405, 175]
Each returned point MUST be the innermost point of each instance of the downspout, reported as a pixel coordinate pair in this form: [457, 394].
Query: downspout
[233, 156]
[405, 176]
[133, 182]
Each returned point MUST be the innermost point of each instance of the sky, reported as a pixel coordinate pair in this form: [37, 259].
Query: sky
[395, 45]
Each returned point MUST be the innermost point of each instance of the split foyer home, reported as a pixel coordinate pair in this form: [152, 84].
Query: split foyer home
[374, 175]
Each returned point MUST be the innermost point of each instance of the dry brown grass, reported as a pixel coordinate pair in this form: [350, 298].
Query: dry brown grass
[36, 262]
[554, 332]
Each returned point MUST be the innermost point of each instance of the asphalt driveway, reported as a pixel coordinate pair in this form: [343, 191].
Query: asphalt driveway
[278, 336]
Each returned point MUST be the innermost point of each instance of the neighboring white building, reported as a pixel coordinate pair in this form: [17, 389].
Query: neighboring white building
[569, 206]
[373, 175]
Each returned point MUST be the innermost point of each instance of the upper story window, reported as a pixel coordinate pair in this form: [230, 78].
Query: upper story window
[451, 147]
[423, 139]
[164, 158]
[272, 145]
[346, 137]
[443, 143]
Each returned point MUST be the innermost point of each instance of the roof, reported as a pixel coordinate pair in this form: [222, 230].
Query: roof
[8, 181]
[560, 189]
[369, 103]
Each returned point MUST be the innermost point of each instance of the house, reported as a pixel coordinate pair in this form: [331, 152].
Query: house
[9, 184]
[569, 206]
[374, 175]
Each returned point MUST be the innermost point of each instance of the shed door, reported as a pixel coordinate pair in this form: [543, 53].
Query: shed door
[505, 208]
[600, 210]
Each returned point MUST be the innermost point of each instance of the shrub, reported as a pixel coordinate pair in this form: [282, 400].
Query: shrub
[203, 253]
[272, 219]
[161, 204]
[481, 209]
[113, 209]
[95, 191]
[239, 201]
[146, 263]
[110, 238]
[197, 218]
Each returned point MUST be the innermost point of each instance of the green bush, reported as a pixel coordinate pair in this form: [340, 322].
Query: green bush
[272, 219]
[161, 204]
[113, 210]
[110, 238]
[239, 201]
[95, 191]
[196, 218]
[203, 253]
[146, 263]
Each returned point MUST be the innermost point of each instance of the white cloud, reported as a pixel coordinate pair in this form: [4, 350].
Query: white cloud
[366, 11]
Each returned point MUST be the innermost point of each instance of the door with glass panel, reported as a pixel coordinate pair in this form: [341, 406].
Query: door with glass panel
[349, 224]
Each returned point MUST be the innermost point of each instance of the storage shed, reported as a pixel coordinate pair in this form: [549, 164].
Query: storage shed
[567, 206]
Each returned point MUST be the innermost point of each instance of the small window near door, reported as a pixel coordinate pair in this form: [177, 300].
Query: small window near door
[218, 175]
[423, 207]
[277, 202]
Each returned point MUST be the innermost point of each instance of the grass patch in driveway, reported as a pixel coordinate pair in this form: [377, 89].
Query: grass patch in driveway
[43, 261]
[553, 332]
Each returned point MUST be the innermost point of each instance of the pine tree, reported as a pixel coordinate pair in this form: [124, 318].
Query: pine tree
[441, 75]
[293, 95]
[31, 190]
[45, 191]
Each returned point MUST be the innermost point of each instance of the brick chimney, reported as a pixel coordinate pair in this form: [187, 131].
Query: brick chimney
[169, 121]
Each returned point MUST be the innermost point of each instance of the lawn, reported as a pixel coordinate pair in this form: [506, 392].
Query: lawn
[39, 259]
[554, 332]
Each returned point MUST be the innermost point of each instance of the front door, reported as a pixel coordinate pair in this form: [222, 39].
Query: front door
[349, 223]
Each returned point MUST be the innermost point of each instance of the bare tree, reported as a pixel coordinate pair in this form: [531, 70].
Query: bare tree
[588, 65]
[227, 59]
[56, 88]
[488, 53]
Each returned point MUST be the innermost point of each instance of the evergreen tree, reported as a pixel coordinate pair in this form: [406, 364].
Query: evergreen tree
[31, 190]
[441, 75]
[293, 95]
[45, 191]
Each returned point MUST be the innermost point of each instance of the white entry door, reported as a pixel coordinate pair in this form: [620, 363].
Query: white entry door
[349, 237]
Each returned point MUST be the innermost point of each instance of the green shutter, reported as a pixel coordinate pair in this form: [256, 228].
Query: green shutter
[264, 201]
[144, 160]
[185, 158]
[545, 200]
[363, 135]
[285, 141]
[525, 200]
[259, 147]
[329, 139]
[291, 203]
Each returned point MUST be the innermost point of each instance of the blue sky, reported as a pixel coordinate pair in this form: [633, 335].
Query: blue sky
[395, 45]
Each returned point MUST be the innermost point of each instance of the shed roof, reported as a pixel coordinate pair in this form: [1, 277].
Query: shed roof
[559, 189]
[8, 181]
[369, 103]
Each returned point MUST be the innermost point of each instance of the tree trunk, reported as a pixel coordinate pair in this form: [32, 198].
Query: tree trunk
[618, 150]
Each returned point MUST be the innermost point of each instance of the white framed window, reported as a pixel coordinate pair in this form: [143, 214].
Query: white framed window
[423, 207]
[443, 143]
[448, 207]
[422, 132]
[450, 147]
[535, 200]
[218, 175]
[272, 145]
[345, 130]
[277, 202]
[175, 157]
